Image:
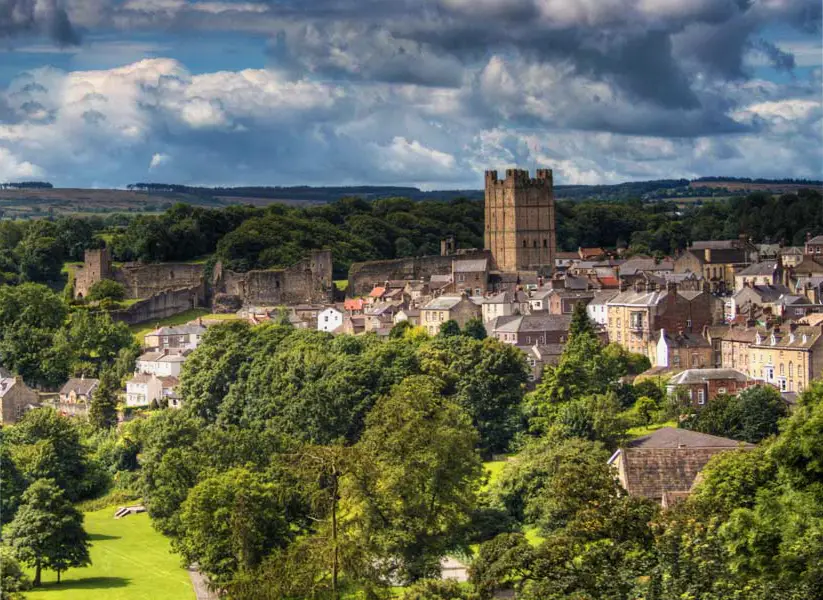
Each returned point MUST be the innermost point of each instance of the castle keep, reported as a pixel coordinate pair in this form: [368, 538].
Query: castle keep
[520, 220]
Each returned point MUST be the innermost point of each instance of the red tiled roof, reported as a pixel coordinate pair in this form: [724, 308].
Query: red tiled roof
[353, 304]
[377, 292]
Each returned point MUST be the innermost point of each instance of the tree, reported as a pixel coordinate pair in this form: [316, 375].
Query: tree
[751, 416]
[449, 328]
[96, 341]
[40, 258]
[107, 289]
[47, 531]
[12, 578]
[580, 323]
[438, 589]
[12, 481]
[416, 484]
[46, 445]
[231, 521]
[103, 409]
[475, 329]
[399, 330]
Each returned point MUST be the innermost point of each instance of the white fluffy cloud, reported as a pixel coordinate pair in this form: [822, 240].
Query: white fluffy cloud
[268, 127]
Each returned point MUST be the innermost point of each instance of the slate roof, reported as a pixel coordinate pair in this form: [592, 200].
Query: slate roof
[668, 460]
[767, 267]
[644, 263]
[471, 266]
[602, 298]
[684, 340]
[802, 338]
[161, 357]
[80, 386]
[187, 329]
[690, 376]
[140, 378]
[536, 322]
[818, 239]
[766, 294]
[443, 303]
[715, 244]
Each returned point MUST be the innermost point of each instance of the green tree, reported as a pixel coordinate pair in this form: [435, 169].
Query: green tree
[95, 340]
[107, 289]
[231, 521]
[449, 328]
[438, 589]
[47, 532]
[103, 409]
[399, 329]
[13, 580]
[40, 258]
[416, 485]
[47, 445]
[475, 329]
[580, 323]
[751, 416]
[12, 480]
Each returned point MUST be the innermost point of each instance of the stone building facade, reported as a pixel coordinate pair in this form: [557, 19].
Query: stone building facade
[520, 220]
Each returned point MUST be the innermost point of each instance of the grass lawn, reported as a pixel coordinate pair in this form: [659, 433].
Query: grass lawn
[342, 284]
[142, 329]
[493, 468]
[130, 561]
[636, 432]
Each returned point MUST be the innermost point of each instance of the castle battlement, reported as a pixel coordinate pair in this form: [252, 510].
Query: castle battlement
[520, 220]
[520, 178]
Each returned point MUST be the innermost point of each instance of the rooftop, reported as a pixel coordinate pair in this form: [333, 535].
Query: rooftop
[691, 376]
[671, 437]
[81, 386]
[471, 266]
[766, 267]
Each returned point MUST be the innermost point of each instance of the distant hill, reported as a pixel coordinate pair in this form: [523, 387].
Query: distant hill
[39, 199]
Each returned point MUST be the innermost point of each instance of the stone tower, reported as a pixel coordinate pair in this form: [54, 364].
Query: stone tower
[520, 228]
[96, 267]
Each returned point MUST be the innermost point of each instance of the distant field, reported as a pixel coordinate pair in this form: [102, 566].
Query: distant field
[130, 561]
[743, 186]
[141, 330]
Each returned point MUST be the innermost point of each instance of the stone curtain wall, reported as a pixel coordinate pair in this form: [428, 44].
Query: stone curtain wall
[161, 305]
[145, 280]
[364, 276]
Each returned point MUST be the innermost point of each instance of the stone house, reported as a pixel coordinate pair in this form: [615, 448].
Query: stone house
[635, 316]
[539, 356]
[448, 307]
[329, 319]
[791, 256]
[564, 260]
[169, 390]
[730, 345]
[143, 389]
[664, 465]
[765, 297]
[717, 261]
[767, 272]
[471, 276]
[814, 245]
[680, 350]
[539, 300]
[412, 315]
[527, 330]
[704, 385]
[75, 396]
[788, 359]
[177, 337]
[562, 302]
[162, 363]
[597, 309]
[16, 398]
[644, 264]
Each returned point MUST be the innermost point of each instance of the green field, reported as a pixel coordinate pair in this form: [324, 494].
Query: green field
[130, 561]
[636, 432]
[141, 330]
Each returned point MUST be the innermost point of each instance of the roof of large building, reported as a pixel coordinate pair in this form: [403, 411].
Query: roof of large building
[82, 386]
[715, 244]
[533, 322]
[763, 293]
[644, 263]
[471, 266]
[603, 297]
[766, 267]
[818, 239]
[6, 384]
[161, 357]
[673, 437]
[194, 328]
[668, 460]
[690, 376]
[684, 339]
[802, 338]
[444, 302]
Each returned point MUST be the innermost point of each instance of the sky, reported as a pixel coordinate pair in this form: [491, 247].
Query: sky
[430, 93]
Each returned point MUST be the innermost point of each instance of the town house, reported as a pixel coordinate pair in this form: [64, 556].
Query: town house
[448, 308]
[787, 358]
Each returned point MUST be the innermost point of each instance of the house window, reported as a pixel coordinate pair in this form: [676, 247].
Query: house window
[676, 360]
[721, 390]
[701, 396]
[781, 369]
[791, 369]
[688, 323]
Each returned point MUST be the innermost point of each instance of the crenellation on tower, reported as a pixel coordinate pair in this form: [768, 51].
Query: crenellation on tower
[520, 220]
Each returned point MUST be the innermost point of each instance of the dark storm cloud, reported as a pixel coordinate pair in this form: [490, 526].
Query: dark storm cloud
[39, 16]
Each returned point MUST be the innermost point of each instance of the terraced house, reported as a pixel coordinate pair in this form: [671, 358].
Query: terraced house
[788, 359]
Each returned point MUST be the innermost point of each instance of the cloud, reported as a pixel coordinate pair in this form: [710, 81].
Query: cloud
[41, 16]
[157, 160]
[259, 126]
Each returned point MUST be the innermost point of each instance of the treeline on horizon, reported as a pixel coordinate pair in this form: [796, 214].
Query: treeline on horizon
[247, 237]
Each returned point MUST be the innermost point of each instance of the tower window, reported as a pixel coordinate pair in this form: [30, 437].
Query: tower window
[535, 243]
[524, 243]
[545, 243]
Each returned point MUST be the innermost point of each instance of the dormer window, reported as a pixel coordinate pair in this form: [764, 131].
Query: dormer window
[773, 340]
[805, 338]
[791, 338]
[757, 339]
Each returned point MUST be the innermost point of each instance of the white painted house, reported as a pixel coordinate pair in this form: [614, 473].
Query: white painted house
[597, 309]
[329, 319]
[142, 389]
[162, 364]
